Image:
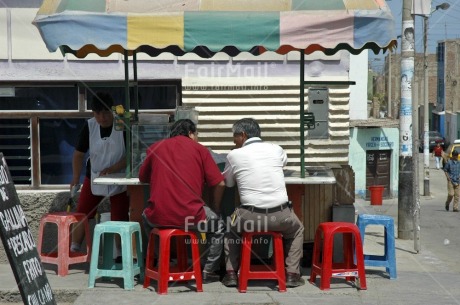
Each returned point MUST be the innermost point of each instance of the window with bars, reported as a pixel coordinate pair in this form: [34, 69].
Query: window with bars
[15, 144]
[39, 124]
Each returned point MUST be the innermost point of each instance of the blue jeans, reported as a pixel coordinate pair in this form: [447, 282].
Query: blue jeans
[438, 161]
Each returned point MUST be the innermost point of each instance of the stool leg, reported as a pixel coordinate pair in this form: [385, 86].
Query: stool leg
[63, 251]
[94, 260]
[163, 265]
[279, 262]
[348, 254]
[326, 270]
[316, 256]
[149, 261]
[140, 255]
[245, 262]
[88, 238]
[40, 236]
[360, 261]
[196, 263]
[390, 251]
[127, 255]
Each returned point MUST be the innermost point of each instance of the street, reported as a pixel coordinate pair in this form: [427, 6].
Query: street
[439, 233]
[439, 229]
[427, 277]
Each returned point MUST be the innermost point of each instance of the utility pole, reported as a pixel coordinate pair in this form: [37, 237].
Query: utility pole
[408, 178]
[426, 128]
[389, 86]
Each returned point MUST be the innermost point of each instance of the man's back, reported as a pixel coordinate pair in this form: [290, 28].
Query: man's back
[257, 167]
[177, 169]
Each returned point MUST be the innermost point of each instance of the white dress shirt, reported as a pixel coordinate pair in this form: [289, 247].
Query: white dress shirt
[257, 169]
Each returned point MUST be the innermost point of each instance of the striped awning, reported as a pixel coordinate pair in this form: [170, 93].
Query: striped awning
[209, 26]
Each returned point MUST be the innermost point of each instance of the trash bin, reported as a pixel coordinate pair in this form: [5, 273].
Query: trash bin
[376, 194]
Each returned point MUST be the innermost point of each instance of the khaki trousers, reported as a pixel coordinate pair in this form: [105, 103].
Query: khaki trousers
[283, 221]
[453, 192]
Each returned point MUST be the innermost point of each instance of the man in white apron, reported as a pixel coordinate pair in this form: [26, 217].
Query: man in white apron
[106, 148]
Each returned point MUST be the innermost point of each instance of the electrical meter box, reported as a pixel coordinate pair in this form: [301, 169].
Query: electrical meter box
[144, 135]
[318, 104]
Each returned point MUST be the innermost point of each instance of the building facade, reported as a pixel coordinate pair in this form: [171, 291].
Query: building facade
[393, 85]
[446, 111]
[45, 98]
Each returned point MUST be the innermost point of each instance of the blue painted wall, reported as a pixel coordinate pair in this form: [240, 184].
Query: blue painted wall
[363, 139]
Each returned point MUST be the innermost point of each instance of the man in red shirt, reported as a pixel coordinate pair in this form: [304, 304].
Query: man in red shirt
[177, 170]
[437, 153]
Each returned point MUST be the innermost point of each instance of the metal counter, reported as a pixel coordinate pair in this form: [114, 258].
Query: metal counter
[313, 175]
[312, 196]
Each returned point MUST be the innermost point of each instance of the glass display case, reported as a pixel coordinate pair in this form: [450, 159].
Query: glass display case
[144, 135]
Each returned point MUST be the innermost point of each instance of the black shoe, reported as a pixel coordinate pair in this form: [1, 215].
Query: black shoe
[455, 210]
[209, 277]
[447, 206]
[230, 279]
[294, 280]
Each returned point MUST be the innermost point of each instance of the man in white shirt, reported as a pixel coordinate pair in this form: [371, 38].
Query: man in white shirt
[256, 167]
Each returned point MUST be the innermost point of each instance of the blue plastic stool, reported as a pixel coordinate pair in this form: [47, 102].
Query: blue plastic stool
[388, 260]
[127, 269]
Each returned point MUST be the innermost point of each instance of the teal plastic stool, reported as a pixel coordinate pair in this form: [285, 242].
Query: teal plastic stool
[388, 260]
[128, 269]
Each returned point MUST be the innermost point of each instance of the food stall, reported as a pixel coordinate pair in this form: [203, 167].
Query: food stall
[305, 193]
[203, 27]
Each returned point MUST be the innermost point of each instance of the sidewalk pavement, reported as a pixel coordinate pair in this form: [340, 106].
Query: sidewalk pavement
[422, 279]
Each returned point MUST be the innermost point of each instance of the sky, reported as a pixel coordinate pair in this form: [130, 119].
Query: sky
[442, 25]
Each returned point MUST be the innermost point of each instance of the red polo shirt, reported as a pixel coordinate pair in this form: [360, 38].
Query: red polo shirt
[177, 169]
[437, 151]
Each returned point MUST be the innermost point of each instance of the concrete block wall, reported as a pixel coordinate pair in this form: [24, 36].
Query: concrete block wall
[37, 203]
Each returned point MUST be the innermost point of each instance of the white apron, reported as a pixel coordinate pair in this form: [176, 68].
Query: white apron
[104, 153]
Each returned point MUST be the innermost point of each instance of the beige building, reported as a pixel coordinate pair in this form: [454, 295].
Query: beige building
[392, 72]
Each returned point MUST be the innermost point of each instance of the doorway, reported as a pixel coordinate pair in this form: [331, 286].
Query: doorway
[378, 170]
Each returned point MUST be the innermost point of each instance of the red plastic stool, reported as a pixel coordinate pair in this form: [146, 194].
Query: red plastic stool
[260, 272]
[63, 257]
[163, 273]
[323, 246]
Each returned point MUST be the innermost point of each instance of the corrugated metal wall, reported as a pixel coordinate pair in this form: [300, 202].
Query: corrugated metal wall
[274, 103]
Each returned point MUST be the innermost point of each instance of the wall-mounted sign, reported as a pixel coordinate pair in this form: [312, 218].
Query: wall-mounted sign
[379, 142]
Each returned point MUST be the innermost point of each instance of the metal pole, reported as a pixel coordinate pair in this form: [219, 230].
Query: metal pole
[406, 194]
[416, 182]
[302, 113]
[389, 86]
[426, 128]
[136, 88]
[128, 128]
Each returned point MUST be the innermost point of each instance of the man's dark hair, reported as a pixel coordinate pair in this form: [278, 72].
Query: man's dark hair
[247, 125]
[102, 101]
[182, 128]
[455, 153]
